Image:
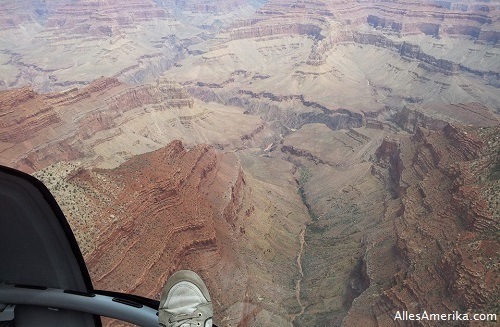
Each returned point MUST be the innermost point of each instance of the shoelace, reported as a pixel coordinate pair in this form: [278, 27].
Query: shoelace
[185, 318]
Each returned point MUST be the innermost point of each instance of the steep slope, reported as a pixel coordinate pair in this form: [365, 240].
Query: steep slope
[346, 206]
[197, 209]
[321, 163]
[54, 45]
[60, 44]
[107, 122]
[398, 222]
[444, 221]
[322, 53]
[157, 213]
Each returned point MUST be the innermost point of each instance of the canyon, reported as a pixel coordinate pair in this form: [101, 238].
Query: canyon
[319, 163]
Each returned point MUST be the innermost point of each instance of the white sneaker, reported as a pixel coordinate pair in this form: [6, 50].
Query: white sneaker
[185, 301]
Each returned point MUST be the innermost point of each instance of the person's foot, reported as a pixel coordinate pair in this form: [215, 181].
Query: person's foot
[185, 301]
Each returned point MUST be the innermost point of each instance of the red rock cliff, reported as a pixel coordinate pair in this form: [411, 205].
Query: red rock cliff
[164, 211]
[445, 219]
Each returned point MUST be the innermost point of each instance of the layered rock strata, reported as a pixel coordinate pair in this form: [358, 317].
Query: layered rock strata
[400, 222]
[445, 220]
[435, 18]
[323, 52]
[105, 122]
[339, 192]
[196, 209]
[59, 44]
[158, 207]
[345, 204]
[74, 43]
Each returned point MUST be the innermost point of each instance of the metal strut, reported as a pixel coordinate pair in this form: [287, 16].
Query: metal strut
[103, 305]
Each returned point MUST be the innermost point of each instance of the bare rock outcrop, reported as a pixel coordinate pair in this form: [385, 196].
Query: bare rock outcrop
[158, 198]
[40, 129]
[24, 113]
[279, 29]
[160, 212]
[436, 117]
[341, 190]
[437, 18]
[323, 52]
[445, 219]
[110, 15]
[79, 33]
[212, 7]
[178, 208]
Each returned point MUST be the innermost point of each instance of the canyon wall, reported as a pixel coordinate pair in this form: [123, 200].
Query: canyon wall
[437, 18]
[399, 221]
[197, 209]
[443, 211]
[320, 163]
[104, 123]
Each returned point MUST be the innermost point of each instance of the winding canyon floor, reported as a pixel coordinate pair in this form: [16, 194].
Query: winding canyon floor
[318, 163]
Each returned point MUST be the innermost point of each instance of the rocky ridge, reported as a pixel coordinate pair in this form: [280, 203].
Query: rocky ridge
[169, 209]
[103, 33]
[84, 122]
[199, 209]
[444, 221]
[336, 190]
[170, 185]
[425, 243]
[302, 46]
[436, 18]
[83, 40]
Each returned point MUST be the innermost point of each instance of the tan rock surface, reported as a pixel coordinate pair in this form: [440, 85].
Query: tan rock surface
[325, 52]
[319, 162]
[107, 122]
[194, 209]
[443, 234]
